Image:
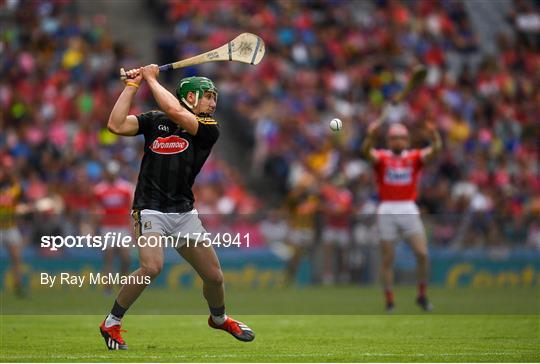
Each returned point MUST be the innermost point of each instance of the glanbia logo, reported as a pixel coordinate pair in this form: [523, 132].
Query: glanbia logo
[170, 145]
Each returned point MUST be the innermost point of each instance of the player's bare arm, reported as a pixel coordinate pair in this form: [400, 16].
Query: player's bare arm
[430, 152]
[120, 122]
[168, 103]
[369, 142]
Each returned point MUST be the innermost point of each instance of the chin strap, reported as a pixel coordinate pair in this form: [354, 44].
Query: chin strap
[189, 104]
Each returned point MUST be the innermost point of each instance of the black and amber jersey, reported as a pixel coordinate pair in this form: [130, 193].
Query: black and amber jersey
[302, 208]
[9, 198]
[172, 159]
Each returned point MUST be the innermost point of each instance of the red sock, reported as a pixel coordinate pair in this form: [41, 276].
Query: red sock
[389, 295]
[422, 289]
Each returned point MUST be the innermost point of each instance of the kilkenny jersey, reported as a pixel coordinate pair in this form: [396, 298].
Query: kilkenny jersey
[9, 197]
[302, 210]
[172, 159]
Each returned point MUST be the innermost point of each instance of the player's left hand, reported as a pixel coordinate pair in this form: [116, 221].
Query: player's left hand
[373, 128]
[150, 72]
[134, 76]
[431, 126]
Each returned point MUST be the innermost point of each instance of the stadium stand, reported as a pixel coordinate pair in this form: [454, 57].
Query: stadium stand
[59, 79]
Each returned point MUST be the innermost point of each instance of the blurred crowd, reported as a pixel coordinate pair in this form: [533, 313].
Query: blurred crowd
[347, 59]
[324, 59]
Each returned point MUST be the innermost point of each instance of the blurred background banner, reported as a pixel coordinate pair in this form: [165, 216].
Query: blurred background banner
[263, 267]
[464, 281]
[278, 172]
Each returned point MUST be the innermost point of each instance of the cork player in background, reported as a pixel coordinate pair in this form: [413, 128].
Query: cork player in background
[397, 171]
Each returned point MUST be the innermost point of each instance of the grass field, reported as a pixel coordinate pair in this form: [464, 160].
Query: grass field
[455, 333]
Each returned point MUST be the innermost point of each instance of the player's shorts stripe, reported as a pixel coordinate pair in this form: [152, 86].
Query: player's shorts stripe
[256, 50]
[206, 120]
[230, 51]
[136, 214]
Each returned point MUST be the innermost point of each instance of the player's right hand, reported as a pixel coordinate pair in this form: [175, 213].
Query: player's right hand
[134, 75]
[373, 128]
[431, 126]
[150, 72]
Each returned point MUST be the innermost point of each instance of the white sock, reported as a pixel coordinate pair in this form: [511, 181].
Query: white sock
[112, 320]
[219, 320]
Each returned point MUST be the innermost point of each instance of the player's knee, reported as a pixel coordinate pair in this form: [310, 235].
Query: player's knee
[387, 257]
[152, 268]
[422, 256]
[215, 277]
[388, 261]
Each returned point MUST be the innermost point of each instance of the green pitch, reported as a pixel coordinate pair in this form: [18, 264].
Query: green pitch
[501, 333]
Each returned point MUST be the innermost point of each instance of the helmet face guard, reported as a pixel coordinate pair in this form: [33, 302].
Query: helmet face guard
[197, 85]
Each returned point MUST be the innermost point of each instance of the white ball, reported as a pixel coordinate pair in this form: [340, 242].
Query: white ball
[336, 124]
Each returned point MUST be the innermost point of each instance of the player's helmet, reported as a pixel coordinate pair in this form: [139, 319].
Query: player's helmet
[197, 85]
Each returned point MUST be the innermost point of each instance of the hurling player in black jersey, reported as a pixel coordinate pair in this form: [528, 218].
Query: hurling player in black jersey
[178, 140]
